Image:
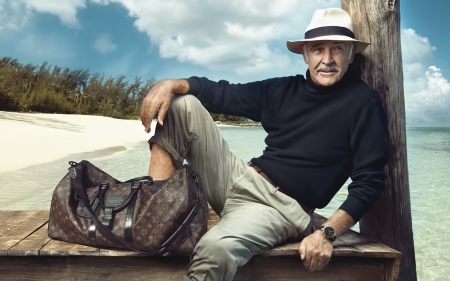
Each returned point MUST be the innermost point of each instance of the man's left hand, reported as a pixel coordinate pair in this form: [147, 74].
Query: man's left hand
[315, 251]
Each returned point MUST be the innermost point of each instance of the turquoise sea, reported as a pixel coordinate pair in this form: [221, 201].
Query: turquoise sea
[429, 178]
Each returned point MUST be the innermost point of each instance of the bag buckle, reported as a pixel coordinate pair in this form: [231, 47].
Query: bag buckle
[73, 172]
[108, 217]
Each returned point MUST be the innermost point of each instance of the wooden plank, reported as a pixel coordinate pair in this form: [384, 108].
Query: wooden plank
[340, 248]
[62, 260]
[291, 268]
[14, 220]
[21, 231]
[350, 244]
[392, 269]
[56, 248]
[92, 268]
[31, 245]
[4, 214]
[368, 246]
[118, 253]
[171, 268]
[83, 250]
[61, 248]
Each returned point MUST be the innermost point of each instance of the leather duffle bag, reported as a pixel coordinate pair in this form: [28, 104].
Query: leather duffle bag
[159, 217]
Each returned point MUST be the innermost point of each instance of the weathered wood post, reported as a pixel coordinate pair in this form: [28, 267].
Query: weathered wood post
[378, 22]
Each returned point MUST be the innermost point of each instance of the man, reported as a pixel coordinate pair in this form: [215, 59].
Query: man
[321, 130]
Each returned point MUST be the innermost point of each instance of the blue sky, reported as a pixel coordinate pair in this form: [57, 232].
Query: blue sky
[236, 40]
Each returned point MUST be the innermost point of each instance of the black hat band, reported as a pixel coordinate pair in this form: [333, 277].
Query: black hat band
[329, 30]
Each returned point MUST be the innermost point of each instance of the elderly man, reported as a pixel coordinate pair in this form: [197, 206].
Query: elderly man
[322, 129]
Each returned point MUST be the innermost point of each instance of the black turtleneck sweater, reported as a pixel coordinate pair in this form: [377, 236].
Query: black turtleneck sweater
[318, 136]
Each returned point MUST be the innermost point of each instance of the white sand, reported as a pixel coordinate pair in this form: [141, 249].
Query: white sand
[28, 139]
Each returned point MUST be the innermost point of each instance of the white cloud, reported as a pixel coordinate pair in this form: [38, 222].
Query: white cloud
[427, 91]
[240, 37]
[101, 2]
[234, 36]
[15, 14]
[430, 103]
[415, 48]
[104, 45]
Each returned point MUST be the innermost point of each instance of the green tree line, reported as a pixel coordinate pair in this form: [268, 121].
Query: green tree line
[50, 89]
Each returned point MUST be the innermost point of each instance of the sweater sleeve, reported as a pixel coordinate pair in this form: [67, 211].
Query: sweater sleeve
[225, 98]
[369, 142]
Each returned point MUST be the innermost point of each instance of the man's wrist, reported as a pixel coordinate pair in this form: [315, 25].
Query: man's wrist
[178, 86]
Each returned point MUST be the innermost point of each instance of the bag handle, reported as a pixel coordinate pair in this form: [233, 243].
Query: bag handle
[146, 178]
[76, 183]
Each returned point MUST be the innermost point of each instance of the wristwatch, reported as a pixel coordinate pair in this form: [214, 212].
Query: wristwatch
[329, 233]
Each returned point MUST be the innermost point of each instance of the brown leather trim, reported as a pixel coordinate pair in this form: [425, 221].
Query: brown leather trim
[259, 171]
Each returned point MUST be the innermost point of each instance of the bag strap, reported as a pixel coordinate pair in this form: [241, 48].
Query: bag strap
[76, 183]
[146, 178]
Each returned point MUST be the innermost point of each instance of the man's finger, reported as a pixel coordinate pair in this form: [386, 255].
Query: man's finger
[307, 261]
[320, 264]
[162, 113]
[326, 261]
[301, 250]
[148, 127]
[312, 265]
[147, 122]
[143, 115]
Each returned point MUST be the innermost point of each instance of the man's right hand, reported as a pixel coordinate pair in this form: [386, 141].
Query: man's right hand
[159, 99]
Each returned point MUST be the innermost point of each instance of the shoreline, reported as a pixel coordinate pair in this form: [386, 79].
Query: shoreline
[239, 125]
[30, 139]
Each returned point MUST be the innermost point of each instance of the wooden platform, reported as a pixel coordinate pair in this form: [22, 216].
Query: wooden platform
[26, 253]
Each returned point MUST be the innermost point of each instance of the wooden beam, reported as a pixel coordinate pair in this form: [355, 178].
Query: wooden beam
[259, 268]
[389, 222]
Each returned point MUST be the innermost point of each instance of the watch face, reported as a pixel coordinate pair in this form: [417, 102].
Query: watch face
[329, 232]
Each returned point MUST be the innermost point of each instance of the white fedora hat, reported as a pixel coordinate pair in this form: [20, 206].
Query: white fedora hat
[328, 24]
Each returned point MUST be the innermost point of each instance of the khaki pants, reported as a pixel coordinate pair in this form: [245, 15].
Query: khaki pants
[254, 216]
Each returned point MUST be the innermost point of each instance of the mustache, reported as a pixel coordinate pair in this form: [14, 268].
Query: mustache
[326, 68]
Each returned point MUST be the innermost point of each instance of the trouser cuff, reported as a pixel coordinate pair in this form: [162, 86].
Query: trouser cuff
[177, 160]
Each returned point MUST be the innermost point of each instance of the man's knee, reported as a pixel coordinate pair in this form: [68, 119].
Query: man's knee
[221, 250]
[211, 245]
[182, 104]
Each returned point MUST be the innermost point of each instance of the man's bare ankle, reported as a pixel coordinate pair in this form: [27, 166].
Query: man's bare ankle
[161, 166]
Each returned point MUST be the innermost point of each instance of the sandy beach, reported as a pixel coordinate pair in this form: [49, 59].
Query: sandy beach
[28, 139]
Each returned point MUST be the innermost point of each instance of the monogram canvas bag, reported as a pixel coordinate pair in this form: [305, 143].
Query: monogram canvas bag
[92, 208]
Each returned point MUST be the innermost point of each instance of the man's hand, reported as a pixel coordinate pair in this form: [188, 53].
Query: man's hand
[315, 251]
[159, 99]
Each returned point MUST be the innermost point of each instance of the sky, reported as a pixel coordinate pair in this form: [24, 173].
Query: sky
[235, 40]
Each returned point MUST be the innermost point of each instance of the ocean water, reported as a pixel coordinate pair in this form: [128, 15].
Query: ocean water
[429, 178]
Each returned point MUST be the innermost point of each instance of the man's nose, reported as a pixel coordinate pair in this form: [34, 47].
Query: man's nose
[327, 57]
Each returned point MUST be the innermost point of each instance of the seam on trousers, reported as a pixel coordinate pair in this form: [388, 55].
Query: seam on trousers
[298, 226]
[202, 147]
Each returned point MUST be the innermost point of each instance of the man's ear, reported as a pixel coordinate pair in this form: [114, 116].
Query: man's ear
[302, 50]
